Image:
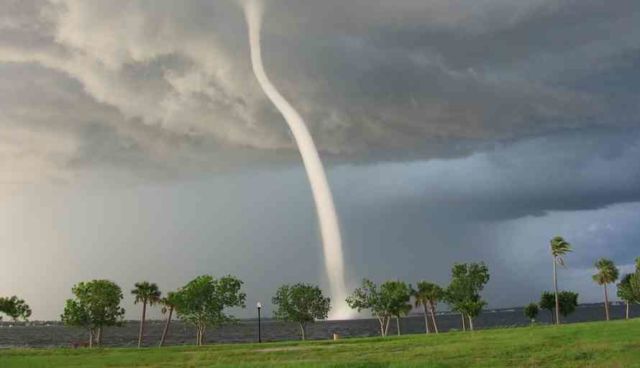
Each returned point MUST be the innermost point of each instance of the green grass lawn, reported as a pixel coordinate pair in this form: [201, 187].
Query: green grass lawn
[600, 344]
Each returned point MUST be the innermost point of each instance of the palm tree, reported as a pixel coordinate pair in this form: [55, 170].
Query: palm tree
[428, 295]
[559, 247]
[607, 274]
[168, 305]
[145, 293]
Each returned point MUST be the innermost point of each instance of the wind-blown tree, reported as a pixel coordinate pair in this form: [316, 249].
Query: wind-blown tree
[398, 297]
[625, 292]
[559, 248]
[391, 299]
[531, 311]
[369, 297]
[607, 273]
[463, 293]
[428, 295]
[148, 294]
[568, 302]
[203, 300]
[548, 302]
[169, 303]
[96, 305]
[301, 303]
[15, 308]
[634, 282]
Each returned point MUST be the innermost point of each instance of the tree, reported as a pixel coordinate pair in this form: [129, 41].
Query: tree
[389, 300]
[625, 292]
[301, 303]
[168, 306]
[428, 295]
[397, 296]
[531, 311]
[607, 273]
[368, 296]
[629, 288]
[548, 302]
[463, 293]
[203, 300]
[568, 302]
[634, 282]
[15, 308]
[147, 294]
[96, 305]
[559, 247]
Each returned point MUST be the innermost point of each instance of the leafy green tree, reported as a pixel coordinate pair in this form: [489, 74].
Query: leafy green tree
[148, 294]
[463, 293]
[607, 273]
[428, 295]
[203, 300]
[168, 306]
[398, 297]
[391, 299]
[96, 305]
[629, 288]
[634, 282]
[568, 302]
[625, 292]
[369, 297]
[301, 303]
[15, 308]
[531, 311]
[548, 302]
[559, 248]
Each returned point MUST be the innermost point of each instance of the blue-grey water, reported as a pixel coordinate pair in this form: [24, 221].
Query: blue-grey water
[56, 335]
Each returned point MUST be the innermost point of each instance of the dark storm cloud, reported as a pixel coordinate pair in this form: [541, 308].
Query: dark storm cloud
[387, 76]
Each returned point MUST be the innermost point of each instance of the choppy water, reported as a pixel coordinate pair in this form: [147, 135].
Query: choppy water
[55, 335]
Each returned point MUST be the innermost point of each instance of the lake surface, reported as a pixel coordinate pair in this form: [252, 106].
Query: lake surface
[56, 335]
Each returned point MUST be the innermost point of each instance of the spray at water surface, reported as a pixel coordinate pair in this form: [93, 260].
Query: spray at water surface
[328, 219]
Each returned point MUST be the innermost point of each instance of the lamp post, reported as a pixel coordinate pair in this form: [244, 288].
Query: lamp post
[259, 306]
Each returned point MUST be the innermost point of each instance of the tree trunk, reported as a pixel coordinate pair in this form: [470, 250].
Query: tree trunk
[381, 321]
[144, 314]
[433, 317]
[470, 323]
[302, 331]
[426, 319]
[626, 302]
[555, 288]
[398, 324]
[166, 327]
[386, 327]
[99, 336]
[464, 326]
[90, 339]
[606, 302]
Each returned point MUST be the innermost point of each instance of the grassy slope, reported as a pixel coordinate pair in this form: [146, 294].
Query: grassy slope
[613, 344]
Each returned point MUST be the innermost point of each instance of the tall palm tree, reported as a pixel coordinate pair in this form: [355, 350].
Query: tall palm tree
[147, 294]
[559, 247]
[607, 274]
[427, 296]
[168, 306]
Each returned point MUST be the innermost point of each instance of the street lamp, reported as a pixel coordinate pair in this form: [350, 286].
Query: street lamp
[259, 306]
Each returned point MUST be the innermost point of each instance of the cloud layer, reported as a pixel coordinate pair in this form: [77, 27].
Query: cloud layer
[156, 80]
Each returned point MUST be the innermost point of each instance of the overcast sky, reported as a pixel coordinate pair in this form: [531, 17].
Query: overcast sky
[136, 144]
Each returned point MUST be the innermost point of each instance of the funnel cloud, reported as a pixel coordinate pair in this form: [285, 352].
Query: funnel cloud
[327, 217]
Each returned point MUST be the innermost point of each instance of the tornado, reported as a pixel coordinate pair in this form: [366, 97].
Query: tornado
[327, 217]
